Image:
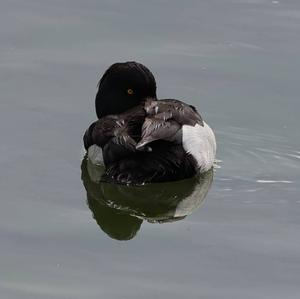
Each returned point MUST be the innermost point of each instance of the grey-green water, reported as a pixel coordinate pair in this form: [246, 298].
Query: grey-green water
[238, 62]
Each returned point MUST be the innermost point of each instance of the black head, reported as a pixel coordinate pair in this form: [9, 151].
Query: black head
[123, 86]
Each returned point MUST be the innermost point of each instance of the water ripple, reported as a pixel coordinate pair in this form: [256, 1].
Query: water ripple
[253, 161]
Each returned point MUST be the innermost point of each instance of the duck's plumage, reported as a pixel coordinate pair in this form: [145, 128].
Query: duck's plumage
[179, 111]
[149, 140]
[164, 120]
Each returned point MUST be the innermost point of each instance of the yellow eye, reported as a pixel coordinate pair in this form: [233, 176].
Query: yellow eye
[130, 91]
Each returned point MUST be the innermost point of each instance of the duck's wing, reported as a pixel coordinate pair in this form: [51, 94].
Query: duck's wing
[87, 137]
[183, 113]
[117, 135]
[165, 119]
[179, 111]
[109, 129]
[157, 128]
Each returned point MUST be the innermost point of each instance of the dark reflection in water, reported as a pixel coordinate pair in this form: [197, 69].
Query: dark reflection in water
[120, 210]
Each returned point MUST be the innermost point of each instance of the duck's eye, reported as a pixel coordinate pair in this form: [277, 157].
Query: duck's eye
[130, 91]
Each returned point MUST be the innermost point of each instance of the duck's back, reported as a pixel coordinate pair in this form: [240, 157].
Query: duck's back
[168, 141]
[167, 161]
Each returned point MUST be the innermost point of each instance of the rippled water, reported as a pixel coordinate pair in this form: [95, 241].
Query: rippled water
[60, 230]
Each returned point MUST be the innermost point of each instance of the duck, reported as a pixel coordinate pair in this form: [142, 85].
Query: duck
[143, 139]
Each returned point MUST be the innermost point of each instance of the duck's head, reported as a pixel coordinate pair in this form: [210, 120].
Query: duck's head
[123, 86]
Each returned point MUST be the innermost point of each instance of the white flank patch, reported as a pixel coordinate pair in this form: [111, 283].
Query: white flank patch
[200, 142]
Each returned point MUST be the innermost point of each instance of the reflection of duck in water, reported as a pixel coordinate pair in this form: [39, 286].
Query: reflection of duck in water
[119, 210]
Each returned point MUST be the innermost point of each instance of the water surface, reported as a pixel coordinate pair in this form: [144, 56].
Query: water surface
[238, 62]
